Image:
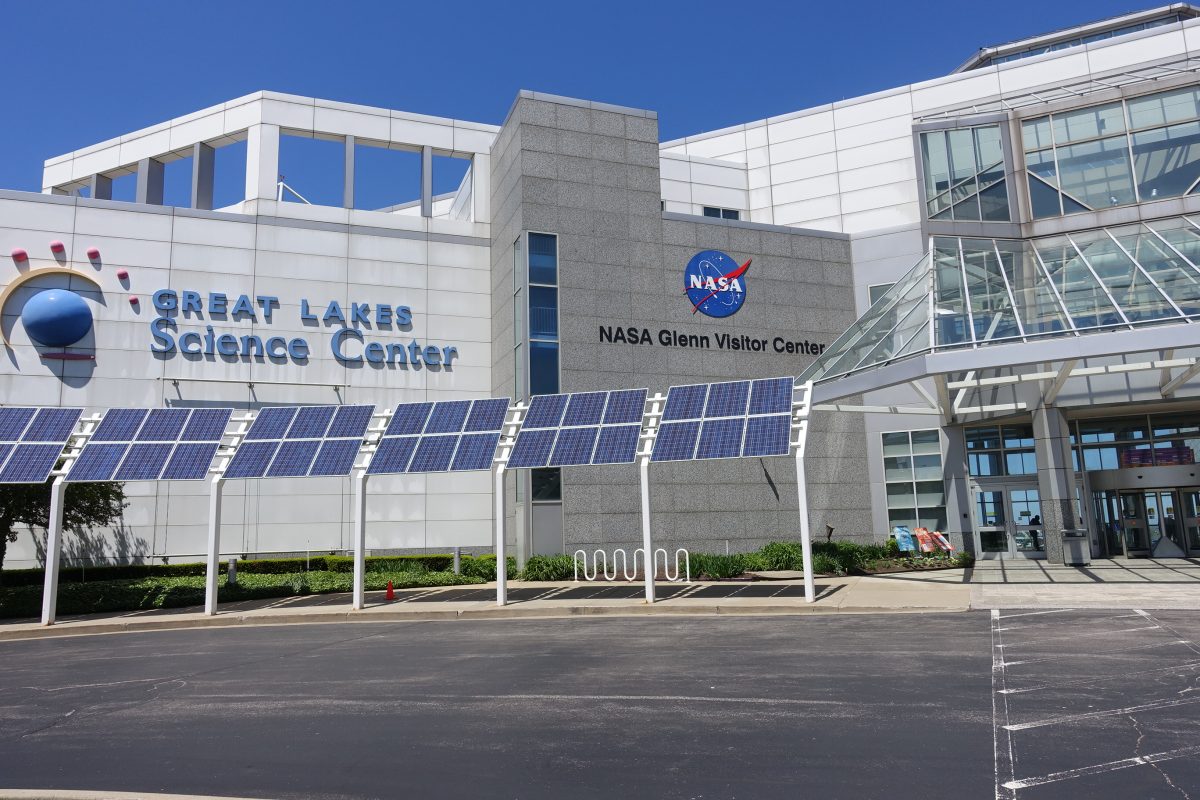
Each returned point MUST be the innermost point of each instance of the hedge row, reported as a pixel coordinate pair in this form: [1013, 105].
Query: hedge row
[176, 592]
[263, 566]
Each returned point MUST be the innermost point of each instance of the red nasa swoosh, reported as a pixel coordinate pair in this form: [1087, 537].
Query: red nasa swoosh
[737, 273]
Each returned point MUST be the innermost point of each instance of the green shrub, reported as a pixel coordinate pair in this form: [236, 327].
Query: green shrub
[781, 556]
[964, 559]
[485, 567]
[825, 564]
[718, 567]
[891, 548]
[548, 568]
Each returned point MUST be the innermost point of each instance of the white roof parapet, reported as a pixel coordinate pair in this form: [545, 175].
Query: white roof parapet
[226, 123]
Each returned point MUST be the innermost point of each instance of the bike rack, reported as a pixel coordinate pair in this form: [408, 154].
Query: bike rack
[600, 564]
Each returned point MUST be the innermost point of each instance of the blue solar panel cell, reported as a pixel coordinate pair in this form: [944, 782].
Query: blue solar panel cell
[625, 406]
[574, 446]
[52, 425]
[475, 451]
[768, 436]
[97, 462]
[13, 421]
[143, 462]
[727, 399]
[617, 444]
[251, 460]
[271, 423]
[676, 441]
[545, 411]
[685, 402]
[5, 449]
[30, 463]
[350, 422]
[408, 419]
[585, 409]
[206, 425]
[433, 454]
[532, 448]
[336, 457]
[311, 422]
[487, 415]
[393, 455]
[119, 425]
[163, 425]
[772, 396]
[190, 461]
[448, 417]
[721, 438]
[294, 458]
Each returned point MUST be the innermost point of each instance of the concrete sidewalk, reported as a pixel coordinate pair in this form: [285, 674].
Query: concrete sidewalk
[941, 591]
[1171, 583]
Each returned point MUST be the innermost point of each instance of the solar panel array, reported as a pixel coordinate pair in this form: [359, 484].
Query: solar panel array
[563, 430]
[451, 436]
[138, 444]
[301, 441]
[31, 440]
[736, 419]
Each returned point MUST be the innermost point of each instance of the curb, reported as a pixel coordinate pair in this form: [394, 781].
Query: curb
[546, 612]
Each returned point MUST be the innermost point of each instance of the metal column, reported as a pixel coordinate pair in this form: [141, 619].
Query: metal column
[53, 550]
[647, 543]
[360, 540]
[212, 573]
[501, 558]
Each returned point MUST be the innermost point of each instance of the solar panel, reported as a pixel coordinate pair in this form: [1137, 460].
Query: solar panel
[574, 446]
[451, 435]
[272, 423]
[585, 409]
[721, 438]
[190, 461]
[336, 457]
[532, 448]
[434, 453]
[768, 435]
[617, 444]
[144, 462]
[119, 425]
[311, 422]
[30, 463]
[727, 399]
[163, 425]
[293, 458]
[206, 425]
[350, 422]
[676, 441]
[393, 455]
[685, 402]
[251, 459]
[476, 451]
[13, 421]
[52, 425]
[545, 411]
[625, 406]
[97, 462]
[772, 396]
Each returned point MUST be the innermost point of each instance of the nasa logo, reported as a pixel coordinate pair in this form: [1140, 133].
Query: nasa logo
[715, 284]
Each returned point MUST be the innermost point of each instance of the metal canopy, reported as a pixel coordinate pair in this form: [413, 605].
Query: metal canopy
[978, 304]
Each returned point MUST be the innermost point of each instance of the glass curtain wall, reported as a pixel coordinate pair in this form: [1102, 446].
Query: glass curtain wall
[967, 292]
[964, 174]
[912, 473]
[1115, 154]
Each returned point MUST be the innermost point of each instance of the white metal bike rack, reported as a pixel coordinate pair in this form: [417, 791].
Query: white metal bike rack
[600, 564]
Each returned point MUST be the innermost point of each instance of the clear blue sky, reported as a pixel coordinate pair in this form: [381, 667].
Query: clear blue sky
[78, 72]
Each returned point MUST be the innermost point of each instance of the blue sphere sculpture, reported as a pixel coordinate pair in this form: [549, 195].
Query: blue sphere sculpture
[56, 318]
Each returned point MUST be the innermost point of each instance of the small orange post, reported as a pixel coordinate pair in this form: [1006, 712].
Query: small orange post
[391, 593]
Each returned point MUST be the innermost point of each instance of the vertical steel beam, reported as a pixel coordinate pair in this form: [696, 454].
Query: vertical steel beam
[501, 555]
[805, 533]
[213, 570]
[53, 551]
[647, 538]
[360, 541]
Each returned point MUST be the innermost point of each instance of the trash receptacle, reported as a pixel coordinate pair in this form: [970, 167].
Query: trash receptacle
[1077, 548]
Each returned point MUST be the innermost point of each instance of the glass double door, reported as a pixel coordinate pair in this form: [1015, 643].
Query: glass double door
[1008, 522]
[1151, 523]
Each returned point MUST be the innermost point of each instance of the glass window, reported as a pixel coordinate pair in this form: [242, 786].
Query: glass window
[959, 163]
[1167, 160]
[1020, 462]
[1164, 108]
[543, 258]
[1018, 436]
[730, 213]
[1097, 174]
[1043, 199]
[984, 464]
[993, 203]
[546, 484]
[1035, 133]
[937, 162]
[543, 368]
[914, 485]
[543, 312]
[875, 292]
[983, 438]
[926, 441]
[709, 211]
[1088, 123]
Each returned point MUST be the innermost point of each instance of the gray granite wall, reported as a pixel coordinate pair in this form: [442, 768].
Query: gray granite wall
[589, 173]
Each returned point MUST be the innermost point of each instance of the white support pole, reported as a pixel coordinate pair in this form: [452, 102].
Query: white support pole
[647, 540]
[501, 556]
[213, 571]
[805, 533]
[53, 550]
[360, 541]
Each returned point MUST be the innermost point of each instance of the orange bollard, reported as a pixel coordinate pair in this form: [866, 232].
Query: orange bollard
[391, 593]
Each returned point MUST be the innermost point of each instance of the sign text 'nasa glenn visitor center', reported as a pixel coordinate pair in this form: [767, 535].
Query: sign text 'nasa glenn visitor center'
[991, 280]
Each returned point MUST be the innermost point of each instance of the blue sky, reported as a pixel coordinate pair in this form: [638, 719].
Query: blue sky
[80, 72]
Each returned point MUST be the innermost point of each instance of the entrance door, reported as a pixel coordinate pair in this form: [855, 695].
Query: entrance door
[1164, 524]
[1191, 519]
[1008, 523]
[1159, 523]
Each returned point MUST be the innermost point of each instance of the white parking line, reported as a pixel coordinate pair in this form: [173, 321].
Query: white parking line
[1098, 654]
[1096, 769]
[1035, 613]
[1099, 679]
[1024, 726]
[1002, 750]
[1081, 635]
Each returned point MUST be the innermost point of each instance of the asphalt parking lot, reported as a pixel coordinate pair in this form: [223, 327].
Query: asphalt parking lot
[1018, 704]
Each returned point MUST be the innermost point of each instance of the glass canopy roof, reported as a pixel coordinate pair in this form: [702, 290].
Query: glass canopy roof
[973, 292]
